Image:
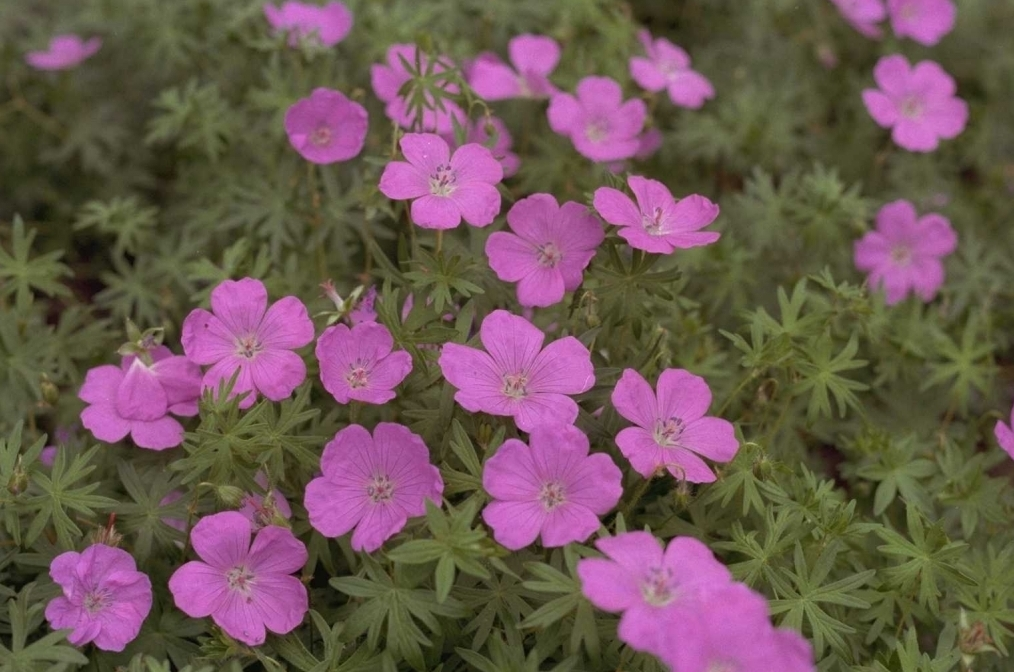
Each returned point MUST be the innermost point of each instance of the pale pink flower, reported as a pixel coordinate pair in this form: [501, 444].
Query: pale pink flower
[444, 189]
[358, 364]
[373, 484]
[548, 250]
[329, 24]
[534, 57]
[668, 67]
[917, 103]
[905, 252]
[105, 599]
[65, 52]
[671, 430]
[327, 127]
[244, 334]
[260, 509]
[517, 376]
[602, 126]
[480, 131]
[1004, 434]
[925, 21]
[863, 15]
[388, 78]
[245, 588]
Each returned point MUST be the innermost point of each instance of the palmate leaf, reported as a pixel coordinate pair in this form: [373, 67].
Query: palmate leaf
[21, 274]
[898, 470]
[964, 367]
[820, 378]
[22, 657]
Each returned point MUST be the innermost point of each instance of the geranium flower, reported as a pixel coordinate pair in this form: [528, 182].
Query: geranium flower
[863, 15]
[671, 429]
[553, 488]
[364, 310]
[445, 188]
[388, 78]
[358, 363]
[372, 484]
[904, 253]
[517, 376]
[243, 334]
[330, 24]
[1004, 434]
[600, 124]
[260, 509]
[478, 132]
[548, 250]
[917, 103]
[245, 588]
[657, 223]
[668, 67]
[534, 58]
[925, 21]
[64, 53]
[327, 127]
[105, 599]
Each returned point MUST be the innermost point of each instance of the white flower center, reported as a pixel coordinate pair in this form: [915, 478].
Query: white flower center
[248, 346]
[722, 666]
[357, 376]
[655, 587]
[911, 108]
[321, 137]
[901, 255]
[380, 489]
[442, 181]
[597, 130]
[548, 255]
[668, 432]
[552, 495]
[515, 385]
[95, 601]
[240, 579]
[654, 222]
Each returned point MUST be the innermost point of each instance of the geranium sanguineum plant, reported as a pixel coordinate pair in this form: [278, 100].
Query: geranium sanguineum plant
[389, 78]
[667, 67]
[602, 126]
[328, 24]
[925, 21]
[358, 364]
[533, 57]
[863, 15]
[327, 127]
[64, 52]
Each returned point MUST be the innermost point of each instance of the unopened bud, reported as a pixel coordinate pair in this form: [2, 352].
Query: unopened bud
[18, 481]
[50, 392]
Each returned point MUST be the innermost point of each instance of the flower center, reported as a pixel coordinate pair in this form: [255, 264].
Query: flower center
[722, 666]
[248, 346]
[597, 131]
[548, 255]
[240, 579]
[95, 601]
[654, 222]
[442, 181]
[380, 489]
[552, 495]
[669, 69]
[668, 432]
[656, 587]
[514, 385]
[357, 377]
[321, 137]
[908, 11]
[911, 108]
[901, 255]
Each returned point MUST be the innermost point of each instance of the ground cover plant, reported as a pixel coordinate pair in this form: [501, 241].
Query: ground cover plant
[506, 335]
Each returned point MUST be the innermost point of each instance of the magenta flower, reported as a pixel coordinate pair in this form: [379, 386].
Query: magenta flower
[445, 188]
[925, 21]
[329, 24]
[172, 521]
[657, 223]
[478, 133]
[517, 376]
[364, 310]
[534, 57]
[105, 599]
[600, 124]
[648, 143]
[863, 15]
[671, 429]
[904, 253]
[48, 456]
[668, 67]
[243, 334]
[1005, 435]
[357, 363]
[372, 483]
[261, 510]
[654, 589]
[245, 588]
[136, 399]
[553, 488]
[327, 127]
[65, 52]
[917, 103]
[387, 80]
[548, 250]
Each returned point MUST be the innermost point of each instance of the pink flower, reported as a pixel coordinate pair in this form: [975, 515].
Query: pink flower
[671, 429]
[105, 599]
[1005, 435]
[64, 53]
[327, 127]
[925, 21]
[446, 188]
[517, 376]
[478, 132]
[648, 143]
[364, 310]
[653, 589]
[548, 251]
[373, 484]
[657, 223]
[863, 15]
[244, 588]
[260, 509]
[534, 57]
[668, 67]
[554, 488]
[357, 363]
[601, 126]
[243, 334]
[917, 103]
[48, 456]
[329, 24]
[387, 80]
[904, 253]
[176, 523]
[136, 399]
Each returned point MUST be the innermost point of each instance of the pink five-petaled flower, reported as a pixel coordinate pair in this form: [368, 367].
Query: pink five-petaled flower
[918, 103]
[64, 53]
[372, 483]
[330, 24]
[478, 132]
[357, 363]
[327, 127]
[657, 223]
[517, 376]
[445, 188]
[863, 15]
[243, 334]
[553, 488]
[602, 127]
[136, 399]
[1005, 435]
[925, 21]
[668, 67]
[654, 589]
[244, 587]
[262, 509]
[548, 250]
[387, 80]
[904, 252]
[105, 599]
[534, 57]
[671, 430]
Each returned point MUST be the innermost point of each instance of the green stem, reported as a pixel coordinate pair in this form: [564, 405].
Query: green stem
[639, 491]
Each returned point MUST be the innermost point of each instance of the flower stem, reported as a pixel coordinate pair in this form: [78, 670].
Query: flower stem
[638, 493]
